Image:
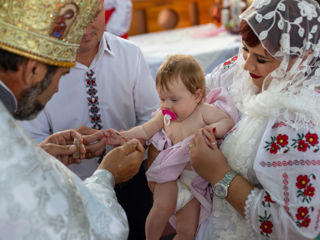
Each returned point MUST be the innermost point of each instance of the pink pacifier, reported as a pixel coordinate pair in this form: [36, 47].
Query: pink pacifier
[168, 116]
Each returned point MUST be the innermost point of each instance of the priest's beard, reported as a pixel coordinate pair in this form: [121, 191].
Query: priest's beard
[28, 105]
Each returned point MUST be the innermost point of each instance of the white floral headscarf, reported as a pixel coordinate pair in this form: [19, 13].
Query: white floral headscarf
[289, 30]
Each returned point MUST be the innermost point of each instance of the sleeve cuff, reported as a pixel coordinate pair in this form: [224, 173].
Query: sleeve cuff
[104, 177]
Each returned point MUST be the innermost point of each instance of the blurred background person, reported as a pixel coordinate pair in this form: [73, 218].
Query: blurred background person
[118, 16]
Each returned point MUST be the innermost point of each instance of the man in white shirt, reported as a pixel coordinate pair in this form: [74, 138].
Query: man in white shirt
[110, 87]
[41, 198]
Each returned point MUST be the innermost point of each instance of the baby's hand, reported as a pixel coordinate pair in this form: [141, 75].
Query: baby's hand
[113, 137]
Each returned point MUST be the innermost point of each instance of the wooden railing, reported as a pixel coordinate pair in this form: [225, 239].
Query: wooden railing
[159, 15]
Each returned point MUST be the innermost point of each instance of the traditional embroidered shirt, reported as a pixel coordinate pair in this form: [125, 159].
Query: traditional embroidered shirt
[115, 91]
[42, 199]
[281, 161]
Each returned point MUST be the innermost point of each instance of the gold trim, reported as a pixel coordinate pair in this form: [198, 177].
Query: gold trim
[26, 29]
[40, 45]
[38, 58]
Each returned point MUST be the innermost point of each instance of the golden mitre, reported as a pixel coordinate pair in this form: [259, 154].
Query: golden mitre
[49, 31]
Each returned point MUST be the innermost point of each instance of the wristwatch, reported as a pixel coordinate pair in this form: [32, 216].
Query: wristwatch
[220, 189]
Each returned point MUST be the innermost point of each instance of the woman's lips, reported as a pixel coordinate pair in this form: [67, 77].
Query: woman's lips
[254, 76]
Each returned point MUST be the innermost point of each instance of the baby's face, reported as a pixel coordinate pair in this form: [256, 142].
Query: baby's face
[178, 99]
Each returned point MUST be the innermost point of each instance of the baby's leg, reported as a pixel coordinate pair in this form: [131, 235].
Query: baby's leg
[188, 220]
[164, 205]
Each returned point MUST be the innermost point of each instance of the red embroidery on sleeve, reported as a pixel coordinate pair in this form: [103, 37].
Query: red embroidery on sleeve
[305, 187]
[227, 64]
[266, 225]
[277, 143]
[305, 192]
[305, 142]
[303, 217]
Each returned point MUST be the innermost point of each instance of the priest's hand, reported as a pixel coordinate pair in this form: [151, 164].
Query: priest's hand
[67, 146]
[124, 161]
[93, 140]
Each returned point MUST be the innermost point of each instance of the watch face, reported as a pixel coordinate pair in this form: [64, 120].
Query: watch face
[220, 190]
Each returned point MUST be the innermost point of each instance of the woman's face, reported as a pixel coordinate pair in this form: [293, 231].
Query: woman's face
[258, 63]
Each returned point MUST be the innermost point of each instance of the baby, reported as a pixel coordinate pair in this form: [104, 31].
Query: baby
[176, 187]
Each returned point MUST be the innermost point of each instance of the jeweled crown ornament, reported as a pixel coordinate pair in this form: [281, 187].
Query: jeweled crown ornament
[49, 31]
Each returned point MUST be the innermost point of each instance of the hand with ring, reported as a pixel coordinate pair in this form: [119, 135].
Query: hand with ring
[209, 136]
[205, 156]
[213, 144]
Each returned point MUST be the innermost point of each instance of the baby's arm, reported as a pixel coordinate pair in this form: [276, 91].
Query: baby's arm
[216, 118]
[144, 131]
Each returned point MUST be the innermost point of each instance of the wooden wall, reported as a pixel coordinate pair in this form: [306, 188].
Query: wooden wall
[191, 12]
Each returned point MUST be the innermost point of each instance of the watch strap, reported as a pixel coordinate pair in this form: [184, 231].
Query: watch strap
[228, 177]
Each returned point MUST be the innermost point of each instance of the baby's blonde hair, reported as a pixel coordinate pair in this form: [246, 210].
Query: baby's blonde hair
[184, 68]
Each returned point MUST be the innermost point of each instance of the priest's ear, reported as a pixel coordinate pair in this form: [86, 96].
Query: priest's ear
[33, 72]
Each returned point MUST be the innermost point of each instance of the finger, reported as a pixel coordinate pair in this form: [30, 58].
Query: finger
[207, 135]
[130, 146]
[56, 150]
[74, 134]
[84, 130]
[140, 147]
[100, 146]
[88, 139]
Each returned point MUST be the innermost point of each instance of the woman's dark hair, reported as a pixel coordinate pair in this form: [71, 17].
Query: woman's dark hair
[248, 35]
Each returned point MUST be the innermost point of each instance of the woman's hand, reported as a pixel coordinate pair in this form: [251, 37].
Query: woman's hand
[205, 156]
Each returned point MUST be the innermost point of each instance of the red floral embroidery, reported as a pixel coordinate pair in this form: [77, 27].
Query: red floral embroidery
[303, 217]
[282, 140]
[279, 124]
[309, 191]
[306, 222]
[234, 58]
[305, 189]
[274, 148]
[312, 139]
[227, 64]
[302, 146]
[305, 142]
[277, 143]
[306, 192]
[267, 200]
[302, 181]
[302, 213]
[266, 225]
